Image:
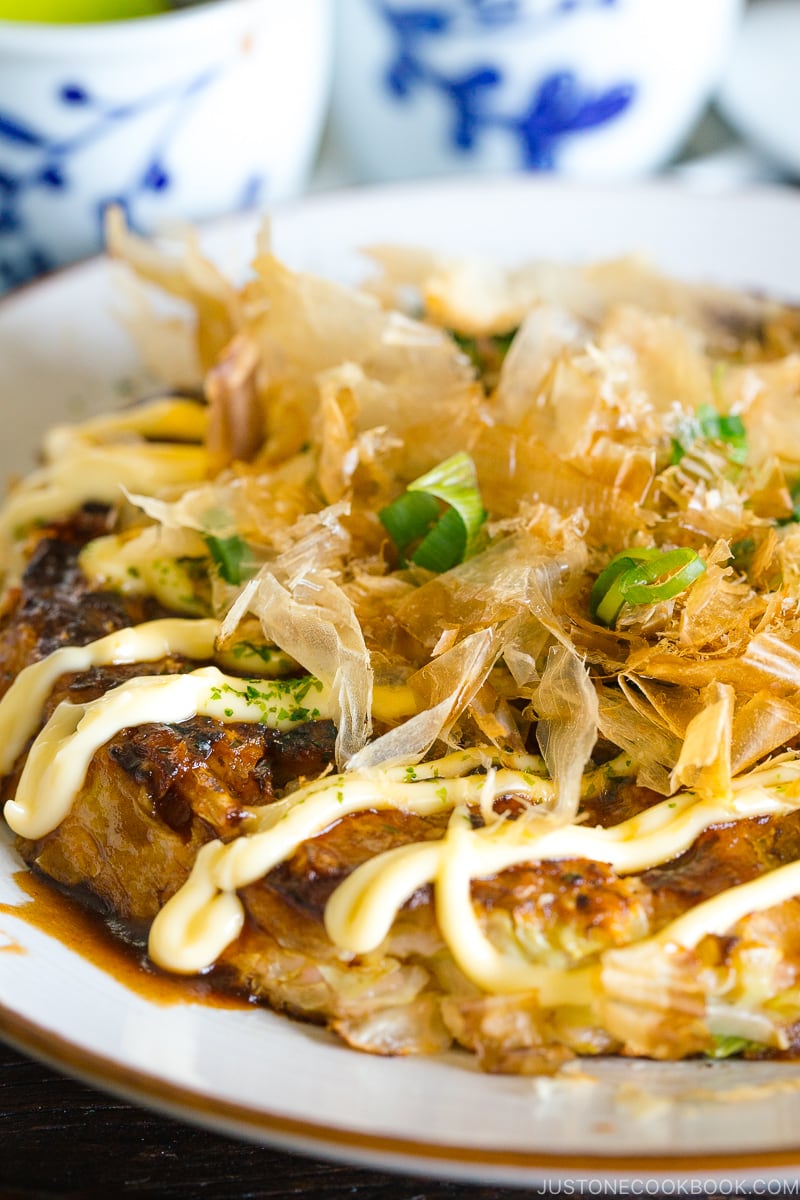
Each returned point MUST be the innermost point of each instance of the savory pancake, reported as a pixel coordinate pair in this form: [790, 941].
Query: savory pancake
[436, 679]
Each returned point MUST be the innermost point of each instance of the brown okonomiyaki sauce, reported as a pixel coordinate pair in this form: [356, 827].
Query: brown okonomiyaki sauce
[84, 931]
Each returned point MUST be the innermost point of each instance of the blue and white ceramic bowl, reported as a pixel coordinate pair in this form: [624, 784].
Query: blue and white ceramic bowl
[206, 110]
[600, 89]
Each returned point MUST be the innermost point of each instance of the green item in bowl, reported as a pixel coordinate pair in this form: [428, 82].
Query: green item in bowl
[69, 12]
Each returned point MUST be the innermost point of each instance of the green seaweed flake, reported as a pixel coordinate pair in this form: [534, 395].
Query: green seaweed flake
[280, 699]
[258, 650]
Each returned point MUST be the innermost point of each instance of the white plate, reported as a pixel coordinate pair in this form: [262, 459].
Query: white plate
[260, 1076]
[760, 91]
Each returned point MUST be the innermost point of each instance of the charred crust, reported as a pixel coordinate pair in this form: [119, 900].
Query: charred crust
[722, 857]
[300, 753]
[54, 606]
[204, 768]
[308, 879]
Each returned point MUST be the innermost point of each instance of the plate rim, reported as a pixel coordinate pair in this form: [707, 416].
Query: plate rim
[673, 186]
[273, 1128]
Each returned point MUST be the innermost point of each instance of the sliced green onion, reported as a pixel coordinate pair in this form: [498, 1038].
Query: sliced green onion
[469, 346]
[714, 427]
[678, 451]
[726, 1045]
[607, 596]
[728, 429]
[795, 515]
[742, 553]
[228, 554]
[444, 538]
[455, 481]
[643, 576]
[664, 577]
[445, 545]
[410, 517]
[485, 352]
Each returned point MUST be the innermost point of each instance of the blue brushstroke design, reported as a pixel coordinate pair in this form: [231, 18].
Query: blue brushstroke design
[50, 161]
[559, 107]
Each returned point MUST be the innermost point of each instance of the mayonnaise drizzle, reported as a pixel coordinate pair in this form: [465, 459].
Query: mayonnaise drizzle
[60, 756]
[99, 473]
[168, 418]
[361, 911]
[21, 706]
[277, 830]
[187, 935]
[95, 460]
[717, 915]
[138, 562]
[473, 951]
[193, 929]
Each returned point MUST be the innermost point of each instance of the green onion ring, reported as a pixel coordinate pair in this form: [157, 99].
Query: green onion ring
[607, 597]
[663, 577]
[445, 538]
[642, 575]
[409, 518]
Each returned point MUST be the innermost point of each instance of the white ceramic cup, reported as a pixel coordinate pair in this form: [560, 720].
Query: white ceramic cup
[198, 112]
[596, 89]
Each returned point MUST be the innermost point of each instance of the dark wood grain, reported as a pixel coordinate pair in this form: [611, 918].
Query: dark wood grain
[59, 1138]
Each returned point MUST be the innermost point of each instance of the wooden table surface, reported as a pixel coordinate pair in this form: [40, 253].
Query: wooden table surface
[59, 1138]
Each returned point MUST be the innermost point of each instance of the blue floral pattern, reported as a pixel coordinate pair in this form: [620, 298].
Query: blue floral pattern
[558, 107]
[45, 163]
